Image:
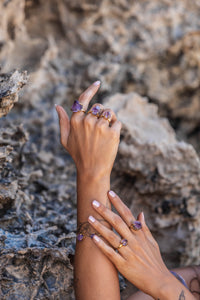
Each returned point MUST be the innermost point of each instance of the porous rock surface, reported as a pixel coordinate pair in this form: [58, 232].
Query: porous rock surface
[148, 47]
[10, 84]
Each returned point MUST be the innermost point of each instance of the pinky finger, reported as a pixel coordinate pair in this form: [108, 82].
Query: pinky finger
[115, 257]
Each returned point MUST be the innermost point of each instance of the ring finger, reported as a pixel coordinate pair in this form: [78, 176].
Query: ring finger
[94, 112]
[107, 116]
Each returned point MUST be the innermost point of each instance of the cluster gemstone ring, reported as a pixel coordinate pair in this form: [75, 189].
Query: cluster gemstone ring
[95, 111]
[106, 115]
[123, 243]
[135, 225]
[77, 106]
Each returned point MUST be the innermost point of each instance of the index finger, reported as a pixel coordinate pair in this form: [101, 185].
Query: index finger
[88, 94]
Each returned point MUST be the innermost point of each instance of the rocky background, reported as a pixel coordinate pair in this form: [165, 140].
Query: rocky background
[147, 56]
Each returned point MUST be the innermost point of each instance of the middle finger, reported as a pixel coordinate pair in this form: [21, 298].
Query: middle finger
[116, 221]
[113, 239]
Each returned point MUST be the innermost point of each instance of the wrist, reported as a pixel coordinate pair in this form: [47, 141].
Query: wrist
[170, 288]
[91, 188]
[92, 177]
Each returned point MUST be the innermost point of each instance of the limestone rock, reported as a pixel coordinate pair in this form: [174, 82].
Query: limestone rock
[41, 278]
[10, 84]
[159, 175]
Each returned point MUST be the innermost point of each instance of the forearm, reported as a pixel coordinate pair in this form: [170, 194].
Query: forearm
[95, 276]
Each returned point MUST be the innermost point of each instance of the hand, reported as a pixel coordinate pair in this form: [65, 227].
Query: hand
[90, 140]
[140, 260]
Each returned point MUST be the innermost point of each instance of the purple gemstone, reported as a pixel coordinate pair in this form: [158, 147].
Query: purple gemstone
[80, 237]
[91, 235]
[96, 110]
[107, 114]
[136, 225]
[124, 242]
[77, 106]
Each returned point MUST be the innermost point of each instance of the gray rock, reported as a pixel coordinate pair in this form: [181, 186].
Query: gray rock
[10, 84]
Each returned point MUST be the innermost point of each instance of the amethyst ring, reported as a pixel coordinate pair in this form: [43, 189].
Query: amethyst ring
[95, 111]
[135, 225]
[123, 243]
[106, 115]
[77, 106]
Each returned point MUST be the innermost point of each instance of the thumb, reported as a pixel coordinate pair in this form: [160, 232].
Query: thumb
[64, 125]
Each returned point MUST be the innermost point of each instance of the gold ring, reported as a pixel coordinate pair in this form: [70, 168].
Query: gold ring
[107, 119]
[84, 111]
[95, 115]
[95, 111]
[135, 225]
[77, 107]
[107, 116]
[123, 243]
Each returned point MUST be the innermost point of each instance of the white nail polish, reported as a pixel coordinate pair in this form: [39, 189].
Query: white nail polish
[97, 83]
[112, 194]
[92, 219]
[96, 238]
[96, 203]
[142, 215]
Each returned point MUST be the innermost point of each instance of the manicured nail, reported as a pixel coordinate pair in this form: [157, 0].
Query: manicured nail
[96, 203]
[56, 105]
[112, 194]
[92, 219]
[96, 238]
[97, 82]
[142, 215]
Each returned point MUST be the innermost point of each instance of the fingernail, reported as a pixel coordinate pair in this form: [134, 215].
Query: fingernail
[92, 219]
[96, 203]
[96, 238]
[56, 105]
[142, 215]
[112, 194]
[98, 82]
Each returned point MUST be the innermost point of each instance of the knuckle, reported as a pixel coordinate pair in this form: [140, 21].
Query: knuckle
[88, 121]
[100, 126]
[109, 252]
[117, 221]
[112, 239]
[115, 134]
[74, 121]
